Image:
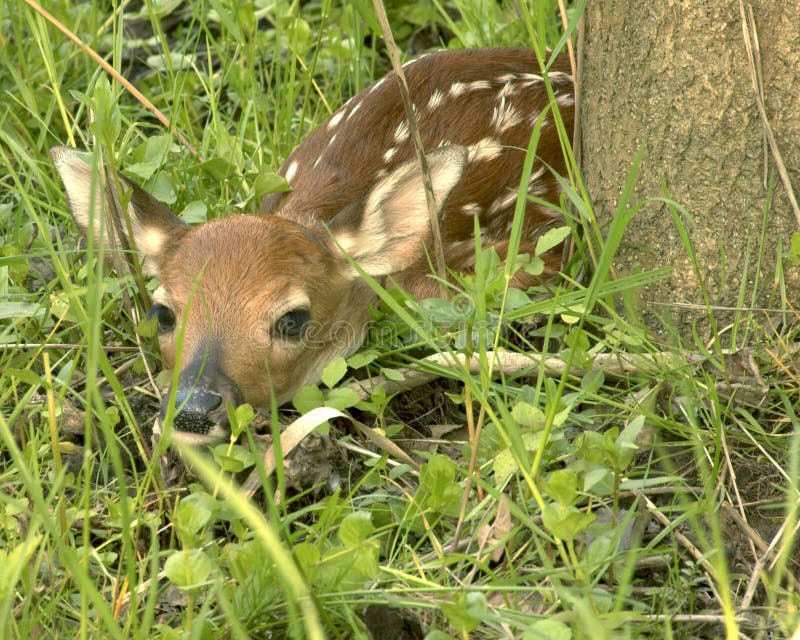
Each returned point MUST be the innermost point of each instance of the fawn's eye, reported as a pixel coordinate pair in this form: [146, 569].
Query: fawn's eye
[292, 323]
[164, 317]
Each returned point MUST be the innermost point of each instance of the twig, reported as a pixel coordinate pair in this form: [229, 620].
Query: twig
[114, 74]
[577, 80]
[688, 545]
[752, 47]
[58, 345]
[408, 105]
[510, 363]
[562, 10]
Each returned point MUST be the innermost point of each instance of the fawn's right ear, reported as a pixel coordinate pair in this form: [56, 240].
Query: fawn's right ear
[155, 228]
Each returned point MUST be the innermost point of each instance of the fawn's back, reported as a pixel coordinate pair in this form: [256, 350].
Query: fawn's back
[487, 100]
[252, 307]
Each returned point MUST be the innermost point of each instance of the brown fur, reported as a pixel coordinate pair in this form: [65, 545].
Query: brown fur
[356, 187]
[348, 166]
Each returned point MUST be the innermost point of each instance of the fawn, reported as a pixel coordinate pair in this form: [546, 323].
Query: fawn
[261, 303]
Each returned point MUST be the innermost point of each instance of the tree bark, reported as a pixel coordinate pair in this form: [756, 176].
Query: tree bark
[674, 78]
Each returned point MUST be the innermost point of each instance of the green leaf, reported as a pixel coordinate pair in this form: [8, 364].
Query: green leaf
[19, 310]
[438, 489]
[598, 552]
[547, 630]
[218, 169]
[528, 416]
[266, 183]
[18, 266]
[299, 33]
[195, 212]
[240, 418]
[14, 562]
[188, 568]
[24, 375]
[550, 239]
[362, 358]
[308, 398]
[394, 375]
[535, 267]
[147, 327]
[515, 299]
[232, 458]
[152, 153]
[334, 372]
[466, 611]
[107, 124]
[307, 556]
[162, 189]
[625, 443]
[794, 248]
[565, 522]
[342, 398]
[355, 528]
[158, 8]
[194, 512]
[504, 465]
[173, 61]
[562, 486]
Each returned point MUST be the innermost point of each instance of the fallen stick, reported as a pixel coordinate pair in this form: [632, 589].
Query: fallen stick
[510, 363]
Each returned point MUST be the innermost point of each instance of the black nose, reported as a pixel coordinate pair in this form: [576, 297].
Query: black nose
[194, 407]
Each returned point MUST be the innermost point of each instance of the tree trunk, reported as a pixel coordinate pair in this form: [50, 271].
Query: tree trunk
[674, 78]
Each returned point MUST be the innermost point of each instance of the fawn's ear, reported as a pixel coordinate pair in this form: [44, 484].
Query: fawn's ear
[154, 229]
[385, 230]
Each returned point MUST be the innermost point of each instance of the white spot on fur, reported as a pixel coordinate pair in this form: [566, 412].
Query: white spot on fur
[471, 209]
[331, 141]
[401, 133]
[415, 60]
[565, 99]
[377, 85]
[458, 88]
[536, 175]
[537, 186]
[505, 116]
[291, 171]
[435, 101]
[534, 117]
[484, 150]
[507, 89]
[317, 161]
[389, 154]
[479, 85]
[507, 200]
[335, 119]
[533, 77]
[355, 108]
[507, 77]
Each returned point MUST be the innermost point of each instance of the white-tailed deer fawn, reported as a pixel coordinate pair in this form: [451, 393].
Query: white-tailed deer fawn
[261, 303]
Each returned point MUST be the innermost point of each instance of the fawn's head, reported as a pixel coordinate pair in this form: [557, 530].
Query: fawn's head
[252, 307]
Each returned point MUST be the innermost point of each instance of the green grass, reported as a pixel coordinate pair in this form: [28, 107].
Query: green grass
[614, 502]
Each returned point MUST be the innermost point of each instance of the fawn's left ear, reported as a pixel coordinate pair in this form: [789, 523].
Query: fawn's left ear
[155, 229]
[394, 222]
